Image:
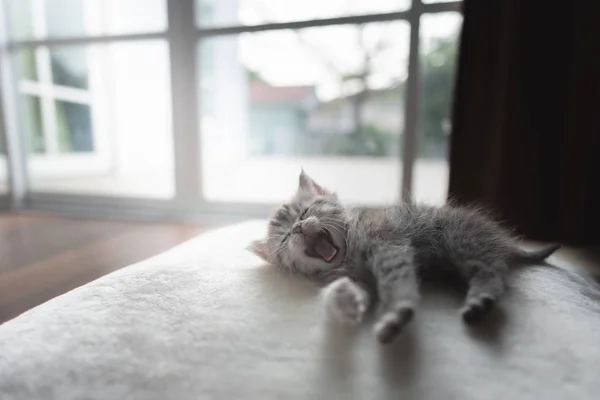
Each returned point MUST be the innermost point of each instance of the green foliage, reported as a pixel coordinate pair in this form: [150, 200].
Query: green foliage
[369, 141]
[437, 78]
[253, 76]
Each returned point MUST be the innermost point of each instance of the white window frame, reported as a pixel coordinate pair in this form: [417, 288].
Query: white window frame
[53, 163]
[182, 35]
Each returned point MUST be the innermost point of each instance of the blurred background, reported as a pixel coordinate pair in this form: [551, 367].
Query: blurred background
[190, 114]
[212, 105]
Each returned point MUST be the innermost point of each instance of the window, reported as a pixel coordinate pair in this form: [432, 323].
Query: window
[206, 105]
[55, 90]
[95, 116]
[330, 99]
[327, 99]
[63, 19]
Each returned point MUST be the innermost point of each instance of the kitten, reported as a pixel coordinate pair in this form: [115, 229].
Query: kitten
[371, 256]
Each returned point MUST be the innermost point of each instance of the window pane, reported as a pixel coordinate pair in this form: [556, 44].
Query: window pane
[439, 41]
[19, 18]
[69, 66]
[27, 65]
[114, 137]
[329, 99]
[63, 18]
[253, 12]
[72, 18]
[33, 124]
[74, 126]
[135, 16]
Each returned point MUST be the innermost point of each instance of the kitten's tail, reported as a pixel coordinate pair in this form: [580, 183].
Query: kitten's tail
[523, 256]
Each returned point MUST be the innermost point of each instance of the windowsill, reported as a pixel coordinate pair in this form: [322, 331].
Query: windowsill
[358, 180]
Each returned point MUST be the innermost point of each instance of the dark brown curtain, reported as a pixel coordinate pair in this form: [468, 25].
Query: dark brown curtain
[526, 118]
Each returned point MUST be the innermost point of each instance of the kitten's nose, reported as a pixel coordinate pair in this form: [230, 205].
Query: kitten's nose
[297, 228]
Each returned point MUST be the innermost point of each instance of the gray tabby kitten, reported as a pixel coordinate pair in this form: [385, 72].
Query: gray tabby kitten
[378, 255]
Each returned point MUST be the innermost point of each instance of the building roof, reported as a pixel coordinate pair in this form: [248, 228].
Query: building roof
[262, 92]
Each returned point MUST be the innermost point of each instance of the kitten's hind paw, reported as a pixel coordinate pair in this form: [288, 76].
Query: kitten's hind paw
[391, 323]
[346, 301]
[477, 308]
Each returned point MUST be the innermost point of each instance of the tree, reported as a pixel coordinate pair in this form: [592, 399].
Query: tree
[355, 89]
[437, 69]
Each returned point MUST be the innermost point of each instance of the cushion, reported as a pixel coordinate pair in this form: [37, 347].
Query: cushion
[208, 320]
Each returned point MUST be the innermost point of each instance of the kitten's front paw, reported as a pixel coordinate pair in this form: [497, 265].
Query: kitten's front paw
[346, 301]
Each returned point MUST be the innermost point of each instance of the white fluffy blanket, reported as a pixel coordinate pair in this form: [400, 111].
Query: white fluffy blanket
[208, 321]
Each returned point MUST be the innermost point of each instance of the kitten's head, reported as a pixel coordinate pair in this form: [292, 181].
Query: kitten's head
[308, 234]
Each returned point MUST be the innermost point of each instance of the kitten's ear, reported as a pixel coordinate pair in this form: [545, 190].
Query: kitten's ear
[307, 185]
[259, 247]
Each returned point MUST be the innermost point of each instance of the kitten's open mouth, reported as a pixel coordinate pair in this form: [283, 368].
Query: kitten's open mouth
[320, 245]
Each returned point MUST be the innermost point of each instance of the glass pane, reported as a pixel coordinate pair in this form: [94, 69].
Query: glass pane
[74, 126]
[27, 65]
[135, 16]
[69, 66]
[63, 18]
[329, 99]
[253, 12]
[114, 137]
[439, 42]
[72, 18]
[32, 110]
[19, 18]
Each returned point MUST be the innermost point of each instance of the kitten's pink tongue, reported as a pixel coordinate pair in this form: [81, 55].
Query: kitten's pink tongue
[325, 248]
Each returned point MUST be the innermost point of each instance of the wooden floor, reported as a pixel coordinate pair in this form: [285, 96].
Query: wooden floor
[42, 257]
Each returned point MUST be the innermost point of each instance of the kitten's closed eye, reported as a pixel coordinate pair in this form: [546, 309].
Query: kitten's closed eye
[303, 215]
